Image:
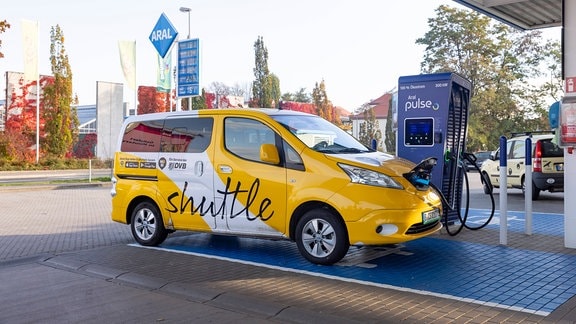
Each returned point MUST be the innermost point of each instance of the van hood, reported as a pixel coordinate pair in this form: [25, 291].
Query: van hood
[382, 162]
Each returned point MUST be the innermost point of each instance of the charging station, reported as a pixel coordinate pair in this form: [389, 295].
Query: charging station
[432, 122]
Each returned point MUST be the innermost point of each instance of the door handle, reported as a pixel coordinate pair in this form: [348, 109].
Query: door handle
[223, 168]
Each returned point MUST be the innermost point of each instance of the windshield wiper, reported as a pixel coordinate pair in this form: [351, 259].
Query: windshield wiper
[351, 150]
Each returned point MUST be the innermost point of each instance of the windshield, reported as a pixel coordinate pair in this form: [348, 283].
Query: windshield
[320, 134]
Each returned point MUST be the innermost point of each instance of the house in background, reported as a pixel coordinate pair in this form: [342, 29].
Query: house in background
[380, 106]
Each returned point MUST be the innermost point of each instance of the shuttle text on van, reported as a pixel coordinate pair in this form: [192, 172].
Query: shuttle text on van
[245, 197]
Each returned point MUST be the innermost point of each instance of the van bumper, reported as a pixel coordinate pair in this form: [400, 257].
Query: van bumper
[391, 227]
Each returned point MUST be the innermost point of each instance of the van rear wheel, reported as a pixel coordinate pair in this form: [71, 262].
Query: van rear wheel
[146, 225]
[321, 237]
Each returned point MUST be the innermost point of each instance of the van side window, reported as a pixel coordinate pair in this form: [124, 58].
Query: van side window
[142, 136]
[243, 137]
[191, 134]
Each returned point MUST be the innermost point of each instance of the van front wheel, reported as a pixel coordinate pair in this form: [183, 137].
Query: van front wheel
[321, 237]
[146, 225]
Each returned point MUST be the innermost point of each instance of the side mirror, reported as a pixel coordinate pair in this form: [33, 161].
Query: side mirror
[269, 154]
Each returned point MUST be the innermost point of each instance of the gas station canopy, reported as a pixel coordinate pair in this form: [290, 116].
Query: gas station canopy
[522, 14]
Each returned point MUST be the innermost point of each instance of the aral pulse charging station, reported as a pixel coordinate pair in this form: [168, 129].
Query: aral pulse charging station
[432, 122]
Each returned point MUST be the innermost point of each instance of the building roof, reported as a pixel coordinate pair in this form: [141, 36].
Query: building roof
[380, 105]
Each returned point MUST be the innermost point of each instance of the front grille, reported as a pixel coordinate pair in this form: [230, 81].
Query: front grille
[420, 228]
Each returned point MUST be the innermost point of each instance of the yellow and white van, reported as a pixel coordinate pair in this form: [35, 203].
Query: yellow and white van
[267, 173]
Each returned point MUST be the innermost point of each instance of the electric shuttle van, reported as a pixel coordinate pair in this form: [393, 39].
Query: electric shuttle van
[267, 173]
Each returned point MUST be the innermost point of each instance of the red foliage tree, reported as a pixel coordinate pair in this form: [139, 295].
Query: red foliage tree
[85, 147]
[298, 106]
[150, 100]
[210, 100]
[20, 126]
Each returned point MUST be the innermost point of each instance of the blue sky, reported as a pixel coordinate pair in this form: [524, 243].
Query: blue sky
[359, 48]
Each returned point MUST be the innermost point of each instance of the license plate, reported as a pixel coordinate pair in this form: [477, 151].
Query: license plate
[560, 167]
[430, 216]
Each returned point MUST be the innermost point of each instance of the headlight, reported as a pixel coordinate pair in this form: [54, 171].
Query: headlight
[369, 177]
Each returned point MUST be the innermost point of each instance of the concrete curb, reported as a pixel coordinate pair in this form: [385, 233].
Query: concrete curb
[17, 188]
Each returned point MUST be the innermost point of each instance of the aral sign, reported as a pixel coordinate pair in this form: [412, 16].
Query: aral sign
[163, 35]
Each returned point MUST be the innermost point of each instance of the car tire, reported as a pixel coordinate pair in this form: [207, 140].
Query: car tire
[146, 225]
[486, 184]
[321, 237]
[535, 192]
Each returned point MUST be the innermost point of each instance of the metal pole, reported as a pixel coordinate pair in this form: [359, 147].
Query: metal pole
[528, 187]
[503, 192]
[189, 24]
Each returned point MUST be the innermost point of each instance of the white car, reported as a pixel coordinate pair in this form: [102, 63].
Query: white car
[547, 165]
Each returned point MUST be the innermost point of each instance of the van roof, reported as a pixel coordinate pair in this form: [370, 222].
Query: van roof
[223, 111]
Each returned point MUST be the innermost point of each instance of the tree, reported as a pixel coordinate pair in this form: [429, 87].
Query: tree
[370, 128]
[199, 102]
[20, 127]
[324, 107]
[299, 96]
[390, 138]
[219, 88]
[150, 100]
[238, 90]
[500, 62]
[3, 26]
[266, 86]
[61, 121]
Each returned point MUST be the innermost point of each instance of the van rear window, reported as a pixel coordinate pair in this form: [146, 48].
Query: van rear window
[192, 135]
[142, 136]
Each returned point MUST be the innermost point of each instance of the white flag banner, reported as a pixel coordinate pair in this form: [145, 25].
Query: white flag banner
[128, 61]
[30, 44]
[163, 80]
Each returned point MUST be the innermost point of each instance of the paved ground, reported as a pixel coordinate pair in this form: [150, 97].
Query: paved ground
[63, 260]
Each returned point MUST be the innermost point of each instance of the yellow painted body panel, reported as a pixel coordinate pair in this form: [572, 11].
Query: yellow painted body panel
[219, 191]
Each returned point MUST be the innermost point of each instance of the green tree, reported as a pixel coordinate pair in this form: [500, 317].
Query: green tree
[3, 26]
[299, 96]
[199, 102]
[369, 128]
[273, 86]
[61, 121]
[500, 62]
[266, 86]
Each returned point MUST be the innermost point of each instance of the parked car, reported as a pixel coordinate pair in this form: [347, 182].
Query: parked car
[481, 156]
[547, 165]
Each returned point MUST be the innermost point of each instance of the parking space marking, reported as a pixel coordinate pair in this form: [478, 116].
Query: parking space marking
[543, 223]
[522, 280]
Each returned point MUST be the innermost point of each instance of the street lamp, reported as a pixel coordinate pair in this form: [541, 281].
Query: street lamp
[184, 9]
